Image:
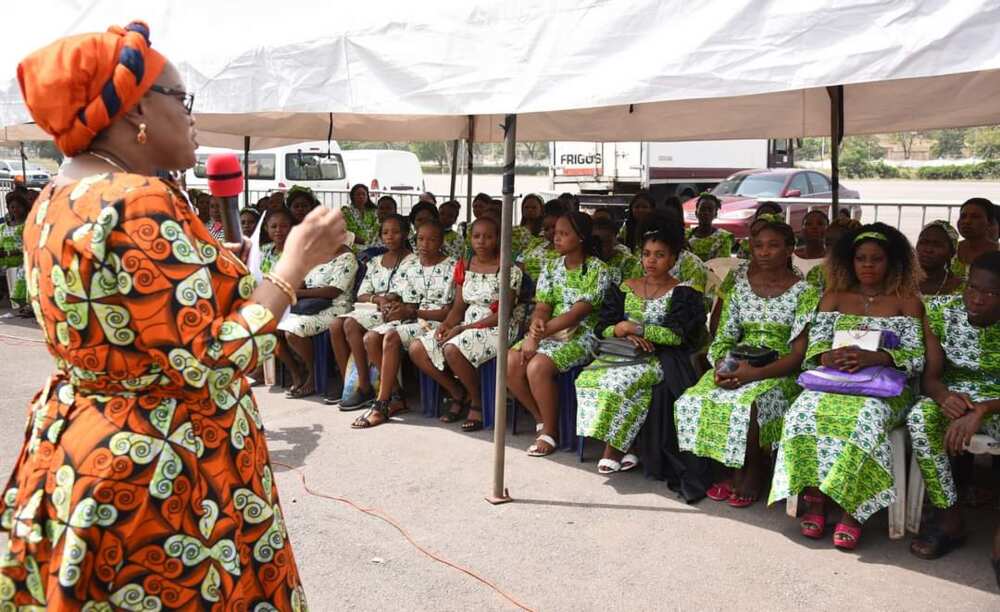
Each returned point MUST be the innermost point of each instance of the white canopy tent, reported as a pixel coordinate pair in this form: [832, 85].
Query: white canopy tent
[557, 70]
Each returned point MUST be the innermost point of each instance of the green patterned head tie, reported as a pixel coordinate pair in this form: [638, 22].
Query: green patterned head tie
[870, 236]
[948, 229]
[770, 218]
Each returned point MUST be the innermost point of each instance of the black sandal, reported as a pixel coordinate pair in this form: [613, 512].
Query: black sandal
[996, 570]
[470, 425]
[450, 416]
[380, 407]
[938, 543]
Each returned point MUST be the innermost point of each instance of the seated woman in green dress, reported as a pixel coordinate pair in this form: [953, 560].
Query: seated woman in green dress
[561, 333]
[537, 257]
[961, 388]
[12, 252]
[734, 414]
[764, 208]
[706, 241]
[427, 297]
[977, 222]
[936, 248]
[652, 312]
[621, 263]
[835, 447]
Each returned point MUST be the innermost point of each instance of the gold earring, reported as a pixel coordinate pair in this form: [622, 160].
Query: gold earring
[141, 136]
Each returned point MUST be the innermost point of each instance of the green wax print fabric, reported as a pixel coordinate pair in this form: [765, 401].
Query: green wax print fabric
[713, 422]
[839, 443]
[972, 366]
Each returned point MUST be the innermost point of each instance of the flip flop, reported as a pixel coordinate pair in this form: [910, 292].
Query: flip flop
[629, 461]
[608, 466]
[720, 492]
[535, 451]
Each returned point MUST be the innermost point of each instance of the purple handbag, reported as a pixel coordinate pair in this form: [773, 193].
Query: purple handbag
[873, 381]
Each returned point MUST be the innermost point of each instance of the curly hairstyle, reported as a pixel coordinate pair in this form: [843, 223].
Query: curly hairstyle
[903, 275]
[664, 227]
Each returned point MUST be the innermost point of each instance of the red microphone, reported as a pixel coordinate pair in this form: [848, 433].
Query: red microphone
[225, 181]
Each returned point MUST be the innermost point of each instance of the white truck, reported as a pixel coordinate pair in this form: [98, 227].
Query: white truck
[683, 169]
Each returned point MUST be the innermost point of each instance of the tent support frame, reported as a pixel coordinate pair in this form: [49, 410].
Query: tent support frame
[836, 94]
[500, 494]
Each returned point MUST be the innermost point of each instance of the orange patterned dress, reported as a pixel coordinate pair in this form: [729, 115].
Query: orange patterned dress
[144, 481]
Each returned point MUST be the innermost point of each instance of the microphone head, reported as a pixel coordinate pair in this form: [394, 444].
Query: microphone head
[225, 175]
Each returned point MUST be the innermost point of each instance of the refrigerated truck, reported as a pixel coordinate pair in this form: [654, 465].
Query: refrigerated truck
[683, 169]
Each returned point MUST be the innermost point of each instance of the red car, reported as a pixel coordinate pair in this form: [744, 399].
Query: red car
[742, 192]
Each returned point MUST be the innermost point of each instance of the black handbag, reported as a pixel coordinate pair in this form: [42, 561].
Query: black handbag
[311, 306]
[617, 353]
[756, 356]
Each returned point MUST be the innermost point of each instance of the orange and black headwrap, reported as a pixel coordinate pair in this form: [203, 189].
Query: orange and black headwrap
[76, 86]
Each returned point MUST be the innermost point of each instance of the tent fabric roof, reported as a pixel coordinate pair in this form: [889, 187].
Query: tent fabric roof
[570, 69]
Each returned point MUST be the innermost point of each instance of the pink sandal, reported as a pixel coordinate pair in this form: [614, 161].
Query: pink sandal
[854, 533]
[720, 491]
[818, 521]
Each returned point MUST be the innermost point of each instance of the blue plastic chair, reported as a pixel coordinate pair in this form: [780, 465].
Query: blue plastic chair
[322, 356]
[430, 396]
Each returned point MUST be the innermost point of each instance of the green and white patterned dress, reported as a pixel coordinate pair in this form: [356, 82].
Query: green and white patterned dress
[431, 288]
[380, 280]
[269, 255]
[714, 422]
[959, 268]
[521, 239]
[840, 443]
[339, 272]
[690, 270]
[478, 345]
[537, 258]
[717, 244]
[972, 366]
[10, 242]
[364, 225]
[623, 265]
[612, 403]
[817, 277]
[453, 246]
[562, 289]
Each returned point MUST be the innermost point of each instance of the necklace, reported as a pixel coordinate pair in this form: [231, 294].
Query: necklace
[944, 281]
[106, 159]
[656, 286]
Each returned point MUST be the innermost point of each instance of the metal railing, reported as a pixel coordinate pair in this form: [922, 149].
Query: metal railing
[908, 216]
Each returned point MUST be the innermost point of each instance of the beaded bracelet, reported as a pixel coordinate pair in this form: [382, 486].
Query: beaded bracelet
[282, 284]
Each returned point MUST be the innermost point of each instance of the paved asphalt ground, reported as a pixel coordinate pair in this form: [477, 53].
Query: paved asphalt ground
[572, 540]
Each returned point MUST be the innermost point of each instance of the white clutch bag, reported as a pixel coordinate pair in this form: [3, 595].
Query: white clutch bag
[864, 339]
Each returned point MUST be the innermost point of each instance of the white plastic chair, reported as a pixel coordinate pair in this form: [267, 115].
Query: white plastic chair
[897, 511]
[980, 444]
[720, 266]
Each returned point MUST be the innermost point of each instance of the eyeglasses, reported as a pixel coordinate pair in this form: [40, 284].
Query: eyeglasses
[185, 98]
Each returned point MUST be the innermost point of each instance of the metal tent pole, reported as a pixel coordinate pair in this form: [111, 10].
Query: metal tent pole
[454, 168]
[24, 165]
[836, 94]
[246, 172]
[499, 494]
[468, 159]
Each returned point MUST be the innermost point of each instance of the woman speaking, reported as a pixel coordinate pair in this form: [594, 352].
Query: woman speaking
[144, 480]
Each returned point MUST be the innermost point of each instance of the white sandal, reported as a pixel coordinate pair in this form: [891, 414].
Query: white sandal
[629, 461]
[608, 466]
[534, 451]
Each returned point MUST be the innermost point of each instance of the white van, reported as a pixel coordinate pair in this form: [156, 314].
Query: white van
[384, 170]
[316, 165]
